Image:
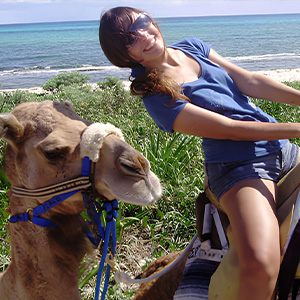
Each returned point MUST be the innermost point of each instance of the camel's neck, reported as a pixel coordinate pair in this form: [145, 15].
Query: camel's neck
[45, 261]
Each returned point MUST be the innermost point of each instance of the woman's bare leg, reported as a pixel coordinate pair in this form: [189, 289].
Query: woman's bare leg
[250, 207]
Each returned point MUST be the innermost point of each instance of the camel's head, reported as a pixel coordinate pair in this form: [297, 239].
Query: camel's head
[46, 143]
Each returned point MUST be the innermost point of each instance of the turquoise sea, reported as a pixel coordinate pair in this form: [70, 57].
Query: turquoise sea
[30, 54]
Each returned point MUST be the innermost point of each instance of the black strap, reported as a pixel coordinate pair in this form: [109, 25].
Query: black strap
[289, 265]
[295, 289]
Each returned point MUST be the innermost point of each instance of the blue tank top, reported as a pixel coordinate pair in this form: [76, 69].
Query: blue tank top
[214, 91]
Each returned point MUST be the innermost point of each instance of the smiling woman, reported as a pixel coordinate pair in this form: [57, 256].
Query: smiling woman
[188, 87]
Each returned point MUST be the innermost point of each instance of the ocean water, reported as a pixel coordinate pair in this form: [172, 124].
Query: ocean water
[30, 54]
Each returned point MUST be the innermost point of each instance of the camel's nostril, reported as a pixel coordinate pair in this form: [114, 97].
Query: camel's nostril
[144, 164]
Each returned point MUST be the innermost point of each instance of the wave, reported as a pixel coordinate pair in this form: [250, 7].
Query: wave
[39, 70]
[265, 57]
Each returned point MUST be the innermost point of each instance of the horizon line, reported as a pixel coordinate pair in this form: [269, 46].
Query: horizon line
[161, 17]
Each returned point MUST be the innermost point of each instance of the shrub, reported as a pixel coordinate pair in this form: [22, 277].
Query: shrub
[111, 82]
[65, 79]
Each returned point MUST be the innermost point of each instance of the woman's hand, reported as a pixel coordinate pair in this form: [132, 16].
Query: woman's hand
[257, 85]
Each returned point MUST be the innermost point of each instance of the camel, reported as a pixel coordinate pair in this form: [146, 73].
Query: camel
[212, 269]
[46, 144]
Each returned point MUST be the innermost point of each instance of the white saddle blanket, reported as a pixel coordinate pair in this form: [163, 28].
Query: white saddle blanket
[196, 277]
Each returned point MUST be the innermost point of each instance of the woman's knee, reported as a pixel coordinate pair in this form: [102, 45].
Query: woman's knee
[262, 263]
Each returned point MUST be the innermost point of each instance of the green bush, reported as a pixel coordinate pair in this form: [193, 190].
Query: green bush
[111, 82]
[65, 79]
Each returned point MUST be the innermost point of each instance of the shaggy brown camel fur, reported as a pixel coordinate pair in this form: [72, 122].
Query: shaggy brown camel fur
[44, 144]
[165, 286]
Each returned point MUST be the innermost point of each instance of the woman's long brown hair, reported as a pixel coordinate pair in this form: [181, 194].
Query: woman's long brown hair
[153, 82]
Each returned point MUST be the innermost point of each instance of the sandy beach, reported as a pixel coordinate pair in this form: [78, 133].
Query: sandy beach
[281, 75]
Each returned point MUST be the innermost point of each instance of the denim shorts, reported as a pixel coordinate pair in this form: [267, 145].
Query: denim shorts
[223, 176]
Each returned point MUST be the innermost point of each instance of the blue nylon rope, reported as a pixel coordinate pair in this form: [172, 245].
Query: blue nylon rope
[114, 242]
[110, 231]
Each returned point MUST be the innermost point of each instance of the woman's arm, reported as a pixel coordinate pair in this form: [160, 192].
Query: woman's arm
[198, 121]
[256, 85]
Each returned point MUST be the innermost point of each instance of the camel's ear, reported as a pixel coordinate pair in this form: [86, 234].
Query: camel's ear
[11, 130]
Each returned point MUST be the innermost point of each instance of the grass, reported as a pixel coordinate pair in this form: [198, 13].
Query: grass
[176, 159]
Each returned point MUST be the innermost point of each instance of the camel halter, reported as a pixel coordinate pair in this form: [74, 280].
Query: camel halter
[59, 193]
[90, 146]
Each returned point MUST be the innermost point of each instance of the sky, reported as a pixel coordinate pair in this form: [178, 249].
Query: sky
[32, 11]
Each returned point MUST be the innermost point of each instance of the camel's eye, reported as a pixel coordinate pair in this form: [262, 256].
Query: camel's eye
[51, 155]
[129, 169]
[56, 154]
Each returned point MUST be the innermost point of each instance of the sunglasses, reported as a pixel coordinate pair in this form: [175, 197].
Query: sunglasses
[142, 22]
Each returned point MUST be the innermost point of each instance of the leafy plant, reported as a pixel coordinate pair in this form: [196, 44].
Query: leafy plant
[65, 79]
